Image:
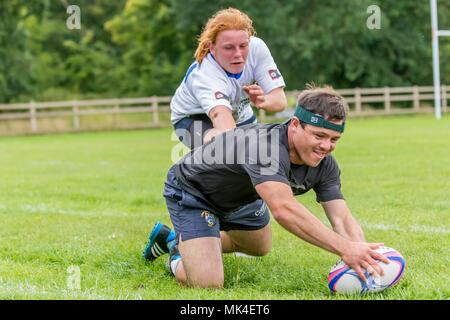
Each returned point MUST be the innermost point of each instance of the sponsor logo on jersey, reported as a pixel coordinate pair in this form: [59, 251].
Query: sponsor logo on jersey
[221, 95]
[274, 74]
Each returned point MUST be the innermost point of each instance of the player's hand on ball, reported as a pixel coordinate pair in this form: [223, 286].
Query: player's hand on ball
[361, 255]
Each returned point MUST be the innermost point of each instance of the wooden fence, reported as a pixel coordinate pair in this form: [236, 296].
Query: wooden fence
[155, 111]
[81, 109]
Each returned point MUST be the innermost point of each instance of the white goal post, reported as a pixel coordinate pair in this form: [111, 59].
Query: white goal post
[435, 34]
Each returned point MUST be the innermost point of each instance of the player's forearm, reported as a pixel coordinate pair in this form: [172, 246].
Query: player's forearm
[298, 220]
[222, 121]
[342, 220]
[275, 101]
[212, 133]
[351, 230]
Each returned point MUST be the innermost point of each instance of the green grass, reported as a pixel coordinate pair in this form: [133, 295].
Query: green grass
[90, 200]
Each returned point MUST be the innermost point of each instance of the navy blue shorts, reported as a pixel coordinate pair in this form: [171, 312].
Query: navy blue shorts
[191, 130]
[193, 219]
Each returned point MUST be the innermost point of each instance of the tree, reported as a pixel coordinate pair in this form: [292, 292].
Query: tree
[15, 57]
[329, 42]
[155, 55]
[144, 47]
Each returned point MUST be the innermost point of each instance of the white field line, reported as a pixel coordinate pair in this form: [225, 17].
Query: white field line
[68, 163]
[394, 227]
[43, 208]
[407, 228]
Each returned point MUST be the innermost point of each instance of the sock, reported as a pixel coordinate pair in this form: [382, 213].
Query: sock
[174, 264]
[241, 254]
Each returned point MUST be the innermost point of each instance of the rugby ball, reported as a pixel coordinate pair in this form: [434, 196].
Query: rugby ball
[343, 279]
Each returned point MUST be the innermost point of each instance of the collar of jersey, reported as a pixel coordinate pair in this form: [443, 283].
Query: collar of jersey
[230, 75]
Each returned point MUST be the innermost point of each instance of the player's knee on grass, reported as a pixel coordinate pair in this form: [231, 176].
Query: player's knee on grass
[202, 261]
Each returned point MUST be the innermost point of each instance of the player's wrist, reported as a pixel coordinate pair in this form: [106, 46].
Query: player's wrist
[341, 246]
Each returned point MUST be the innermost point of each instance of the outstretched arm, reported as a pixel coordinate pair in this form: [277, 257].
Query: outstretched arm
[297, 219]
[342, 220]
[274, 101]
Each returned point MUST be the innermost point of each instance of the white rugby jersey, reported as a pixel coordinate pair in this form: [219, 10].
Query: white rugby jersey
[208, 85]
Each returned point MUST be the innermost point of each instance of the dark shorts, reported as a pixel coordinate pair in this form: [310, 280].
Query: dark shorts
[193, 219]
[191, 130]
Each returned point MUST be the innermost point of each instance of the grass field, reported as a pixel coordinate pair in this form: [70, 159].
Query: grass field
[88, 201]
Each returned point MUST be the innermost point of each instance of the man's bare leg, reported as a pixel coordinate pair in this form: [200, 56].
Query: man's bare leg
[201, 263]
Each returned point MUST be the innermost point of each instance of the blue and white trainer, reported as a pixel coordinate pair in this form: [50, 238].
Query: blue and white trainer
[159, 241]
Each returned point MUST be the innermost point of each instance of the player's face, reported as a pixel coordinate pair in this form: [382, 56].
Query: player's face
[311, 144]
[231, 50]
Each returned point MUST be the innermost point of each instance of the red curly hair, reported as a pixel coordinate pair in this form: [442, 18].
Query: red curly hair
[226, 19]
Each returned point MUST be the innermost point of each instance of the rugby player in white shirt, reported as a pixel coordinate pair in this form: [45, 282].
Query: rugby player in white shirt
[232, 69]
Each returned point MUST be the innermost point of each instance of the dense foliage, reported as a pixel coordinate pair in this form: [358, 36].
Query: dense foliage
[143, 47]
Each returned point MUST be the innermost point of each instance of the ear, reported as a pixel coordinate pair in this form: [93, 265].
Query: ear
[295, 122]
[211, 48]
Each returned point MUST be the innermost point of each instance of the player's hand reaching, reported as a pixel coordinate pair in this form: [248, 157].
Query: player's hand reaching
[256, 95]
[360, 255]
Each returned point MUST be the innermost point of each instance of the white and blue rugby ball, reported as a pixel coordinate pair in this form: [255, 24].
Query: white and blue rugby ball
[343, 279]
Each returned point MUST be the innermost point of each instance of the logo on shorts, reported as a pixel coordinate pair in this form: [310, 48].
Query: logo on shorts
[209, 218]
[274, 74]
[261, 210]
[221, 95]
